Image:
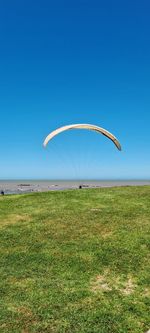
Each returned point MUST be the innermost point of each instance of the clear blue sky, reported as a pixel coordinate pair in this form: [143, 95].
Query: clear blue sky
[65, 62]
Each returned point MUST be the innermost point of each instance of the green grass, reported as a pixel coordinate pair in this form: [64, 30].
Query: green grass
[75, 261]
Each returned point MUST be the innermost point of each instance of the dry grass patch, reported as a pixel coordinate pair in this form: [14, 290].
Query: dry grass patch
[106, 283]
[147, 292]
[100, 284]
[13, 219]
[25, 311]
[95, 209]
[128, 288]
[22, 283]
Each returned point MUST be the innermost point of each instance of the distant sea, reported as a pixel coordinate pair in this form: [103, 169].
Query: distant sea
[31, 185]
[105, 182]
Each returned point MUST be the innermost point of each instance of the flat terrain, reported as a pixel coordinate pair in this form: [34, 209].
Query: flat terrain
[75, 261]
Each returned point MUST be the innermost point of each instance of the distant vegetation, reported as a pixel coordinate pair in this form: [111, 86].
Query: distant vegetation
[75, 261]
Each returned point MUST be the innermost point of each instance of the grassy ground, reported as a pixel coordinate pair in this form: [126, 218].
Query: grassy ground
[75, 261]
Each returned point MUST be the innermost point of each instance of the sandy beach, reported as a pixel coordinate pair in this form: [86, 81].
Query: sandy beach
[27, 186]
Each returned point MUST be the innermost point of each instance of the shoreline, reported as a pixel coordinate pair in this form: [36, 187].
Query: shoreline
[28, 186]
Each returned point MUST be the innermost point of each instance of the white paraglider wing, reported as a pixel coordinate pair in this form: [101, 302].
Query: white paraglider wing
[95, 128]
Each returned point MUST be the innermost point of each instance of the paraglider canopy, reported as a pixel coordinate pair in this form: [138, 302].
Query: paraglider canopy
[95, 128]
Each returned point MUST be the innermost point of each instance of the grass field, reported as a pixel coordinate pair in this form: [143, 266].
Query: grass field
[75, 261]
